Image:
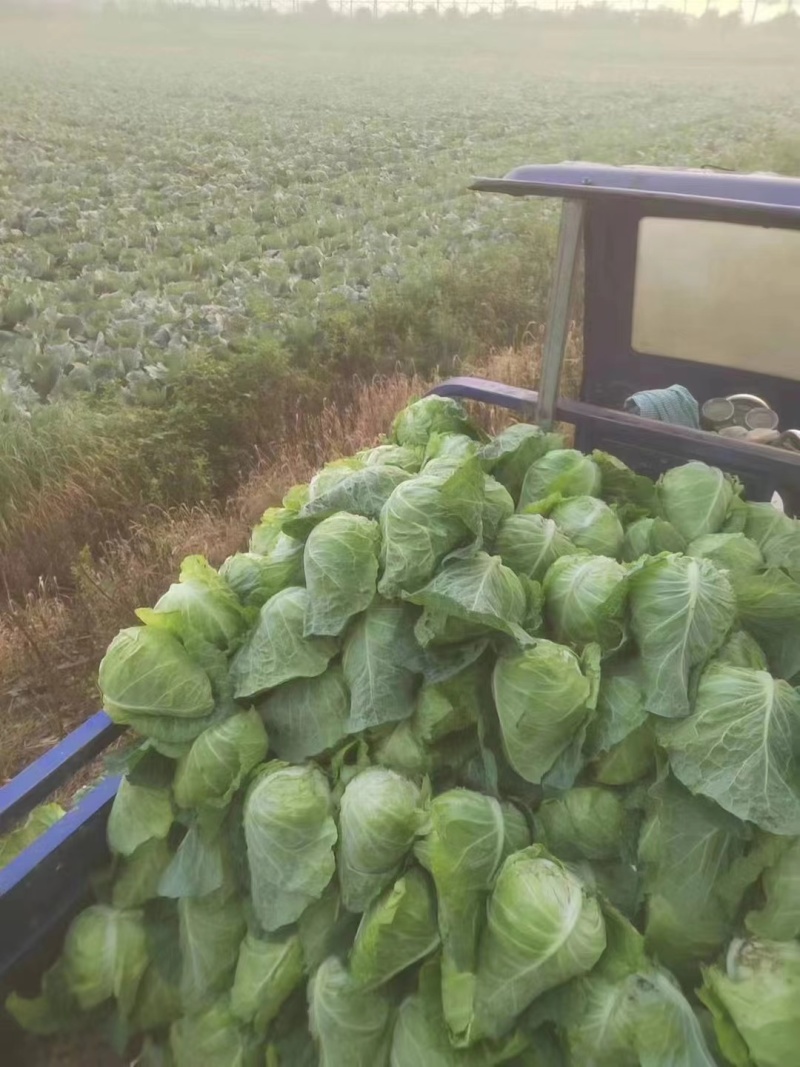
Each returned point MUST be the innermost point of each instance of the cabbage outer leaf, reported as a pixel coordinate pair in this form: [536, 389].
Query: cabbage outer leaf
[544, 927]
[681, 611]
[290, 834]
[739, 747]
[277, 650]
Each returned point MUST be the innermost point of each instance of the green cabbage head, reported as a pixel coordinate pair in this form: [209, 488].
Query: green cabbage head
[381, 814]
[648, 537]
[201, 607]
[589, 524]
[341, 568]
[696, 498]
[530, 544]
[585, 599]
[213, 1038]
[397, 930]
[543, 699]
[267, 972]
[352, 1026]
[149, 682]
[290, 834]
[563, 471]
[219, 760]
[754, 996]
[544, 927]
[509, 455]
[466, 838]
[432, 414]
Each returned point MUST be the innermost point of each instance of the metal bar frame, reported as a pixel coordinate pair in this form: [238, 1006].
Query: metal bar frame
[681, 442]
[45, 885]
[34, 784]
[559, 314]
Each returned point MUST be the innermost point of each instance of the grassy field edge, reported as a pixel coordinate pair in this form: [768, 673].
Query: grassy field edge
[77, 474]
[51, 644]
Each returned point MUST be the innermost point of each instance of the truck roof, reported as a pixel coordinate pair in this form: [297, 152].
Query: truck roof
[772, 194]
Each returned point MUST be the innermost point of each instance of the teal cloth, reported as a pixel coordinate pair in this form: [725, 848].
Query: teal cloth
[675, 405]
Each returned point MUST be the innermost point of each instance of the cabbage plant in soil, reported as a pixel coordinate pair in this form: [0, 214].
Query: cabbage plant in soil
[484, 752]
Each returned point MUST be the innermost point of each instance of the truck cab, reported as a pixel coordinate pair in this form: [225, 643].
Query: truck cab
[685, 277]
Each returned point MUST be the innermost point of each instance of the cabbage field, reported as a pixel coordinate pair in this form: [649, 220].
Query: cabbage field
[151, 208]
[182, 188]
[210, 225]
[484, 752]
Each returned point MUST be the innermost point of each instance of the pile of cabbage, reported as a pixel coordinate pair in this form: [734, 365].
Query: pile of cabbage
[486, 752]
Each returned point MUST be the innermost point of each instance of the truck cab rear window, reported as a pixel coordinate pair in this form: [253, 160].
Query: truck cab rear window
[718, 293]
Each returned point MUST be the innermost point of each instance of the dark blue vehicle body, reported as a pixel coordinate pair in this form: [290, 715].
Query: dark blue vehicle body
[44, 887]
[615, 200]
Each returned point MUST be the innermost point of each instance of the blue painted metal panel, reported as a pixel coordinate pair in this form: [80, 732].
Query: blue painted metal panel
[649, 446]
[43, 887]
[756, 193]
[54, 768]
[617, 199]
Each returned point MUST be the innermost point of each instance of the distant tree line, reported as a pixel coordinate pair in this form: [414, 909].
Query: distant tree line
[776, 15]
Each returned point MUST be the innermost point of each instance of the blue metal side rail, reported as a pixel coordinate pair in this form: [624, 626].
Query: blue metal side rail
[636, 439]
[54, 768]
[43, 887]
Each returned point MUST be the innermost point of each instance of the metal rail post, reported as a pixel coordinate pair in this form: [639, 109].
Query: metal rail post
[559, 310]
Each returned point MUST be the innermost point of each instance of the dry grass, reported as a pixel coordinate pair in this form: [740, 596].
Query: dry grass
[62, 474]
[51, 644]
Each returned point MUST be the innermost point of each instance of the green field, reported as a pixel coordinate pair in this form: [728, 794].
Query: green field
[206, 220]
